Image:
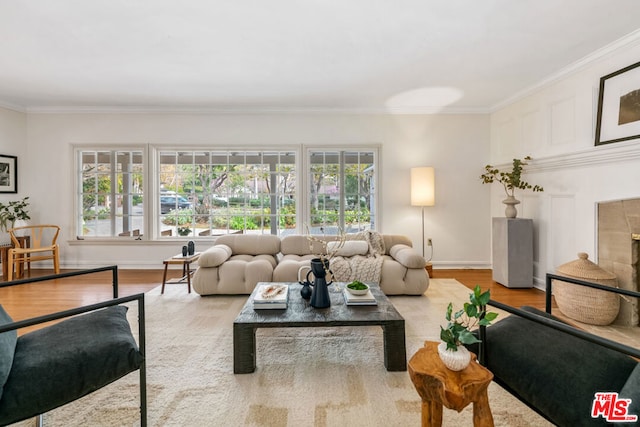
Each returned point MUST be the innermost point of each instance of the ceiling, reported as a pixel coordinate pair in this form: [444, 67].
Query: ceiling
[294, 55]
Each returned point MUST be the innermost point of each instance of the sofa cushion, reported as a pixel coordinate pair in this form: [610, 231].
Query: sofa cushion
[299, 244]
[527, 357]
[68, 360]
[214, 256]
[390, 240]
[240, 275]
[349, 248]
[251, 244]
[407, 256]
[7, 348]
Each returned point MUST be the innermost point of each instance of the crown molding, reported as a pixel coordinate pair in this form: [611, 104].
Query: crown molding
[13, 107]
[629, 39]
[624, 42]
[256, 111]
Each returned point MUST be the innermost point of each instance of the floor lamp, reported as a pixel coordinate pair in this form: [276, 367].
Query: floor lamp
[423, 194]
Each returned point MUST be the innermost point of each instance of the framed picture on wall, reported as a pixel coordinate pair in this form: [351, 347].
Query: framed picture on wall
[8, 174]
[619, 106]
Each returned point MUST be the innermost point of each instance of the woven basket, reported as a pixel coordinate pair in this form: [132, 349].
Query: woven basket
[584, 304]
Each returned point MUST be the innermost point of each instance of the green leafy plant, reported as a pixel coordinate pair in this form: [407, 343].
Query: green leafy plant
[509, 180]
[460, 323]
[183, 231]
[14, 210]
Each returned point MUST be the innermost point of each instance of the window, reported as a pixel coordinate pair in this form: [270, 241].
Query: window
[198, 193]
[110, 194]
[206, 193]
[342, 189]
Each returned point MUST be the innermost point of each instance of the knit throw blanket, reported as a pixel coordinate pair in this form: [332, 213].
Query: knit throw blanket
[358, 267]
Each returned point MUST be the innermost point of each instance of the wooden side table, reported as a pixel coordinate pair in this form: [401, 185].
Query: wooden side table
[429, 268]
[437, 385]
[25, 242]
[185, 261]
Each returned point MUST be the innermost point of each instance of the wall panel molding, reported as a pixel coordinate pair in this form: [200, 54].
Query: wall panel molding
[562, 120]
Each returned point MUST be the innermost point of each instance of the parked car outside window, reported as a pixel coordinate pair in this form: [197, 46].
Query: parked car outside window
[171, 202]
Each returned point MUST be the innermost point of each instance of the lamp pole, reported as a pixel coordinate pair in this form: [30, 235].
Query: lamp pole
[423, 253]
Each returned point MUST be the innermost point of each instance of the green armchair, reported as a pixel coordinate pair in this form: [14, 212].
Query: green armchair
[90, 347]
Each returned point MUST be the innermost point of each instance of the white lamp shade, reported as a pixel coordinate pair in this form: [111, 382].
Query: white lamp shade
[423, 192]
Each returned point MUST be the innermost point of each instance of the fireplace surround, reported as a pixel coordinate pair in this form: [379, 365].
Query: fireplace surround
[618, 235]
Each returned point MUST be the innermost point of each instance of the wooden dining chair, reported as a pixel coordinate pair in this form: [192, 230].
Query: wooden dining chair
[33, 243]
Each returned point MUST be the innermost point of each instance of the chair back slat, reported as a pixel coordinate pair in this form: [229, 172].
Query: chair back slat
[40, 236]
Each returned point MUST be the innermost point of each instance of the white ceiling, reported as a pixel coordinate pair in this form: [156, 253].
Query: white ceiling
[342, 55]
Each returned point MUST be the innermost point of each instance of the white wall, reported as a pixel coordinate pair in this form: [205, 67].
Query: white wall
[13, 142]
[456, 145]
[556, 126]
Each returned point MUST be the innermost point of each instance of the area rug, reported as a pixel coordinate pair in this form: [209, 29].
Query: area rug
[305, 377]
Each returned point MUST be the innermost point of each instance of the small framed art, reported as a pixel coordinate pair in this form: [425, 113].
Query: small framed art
[8, 174]
[619, 106]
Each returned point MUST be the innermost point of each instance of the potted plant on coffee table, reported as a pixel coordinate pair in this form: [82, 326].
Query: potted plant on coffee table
[452, 351]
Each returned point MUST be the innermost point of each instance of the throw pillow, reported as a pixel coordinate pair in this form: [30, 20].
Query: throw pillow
[350, 248]
[7, 348]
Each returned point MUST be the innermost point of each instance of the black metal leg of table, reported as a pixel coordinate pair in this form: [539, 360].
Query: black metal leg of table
[244, 349]
[395, 349]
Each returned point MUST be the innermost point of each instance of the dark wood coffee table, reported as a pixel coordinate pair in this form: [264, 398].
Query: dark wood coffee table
[300, 314]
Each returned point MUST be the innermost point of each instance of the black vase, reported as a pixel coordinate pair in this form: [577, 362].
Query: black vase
[320, 295]
[305, 292]
[191, 247]
[185, 251]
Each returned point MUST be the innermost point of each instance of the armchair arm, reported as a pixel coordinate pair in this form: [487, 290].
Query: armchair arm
[549, 291]
[559, 326]
[112, 268]
[75, 311]
[407, 256]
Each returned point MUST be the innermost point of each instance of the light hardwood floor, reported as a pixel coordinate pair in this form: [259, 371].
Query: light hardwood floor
[30, 300]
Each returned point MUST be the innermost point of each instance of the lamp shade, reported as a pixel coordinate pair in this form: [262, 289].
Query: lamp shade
[423, 186]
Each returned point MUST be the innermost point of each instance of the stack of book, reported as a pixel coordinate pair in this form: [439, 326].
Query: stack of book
[271, 296]
[366, 299]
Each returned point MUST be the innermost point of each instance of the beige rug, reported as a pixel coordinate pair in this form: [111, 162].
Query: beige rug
[316, 377]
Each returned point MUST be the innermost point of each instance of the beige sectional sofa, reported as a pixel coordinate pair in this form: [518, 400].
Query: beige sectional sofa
[236, 263]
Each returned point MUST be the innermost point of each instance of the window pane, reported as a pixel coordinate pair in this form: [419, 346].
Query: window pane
[227, 191]
[341, 189]
[110, 193]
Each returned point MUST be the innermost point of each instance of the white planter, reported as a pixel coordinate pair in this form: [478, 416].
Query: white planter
[5, 238]
[510, 211]
[454, 360]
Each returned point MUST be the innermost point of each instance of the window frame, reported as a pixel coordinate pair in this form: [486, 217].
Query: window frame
[78, 211]
[157, 150]
[151, 185]
[306, 203]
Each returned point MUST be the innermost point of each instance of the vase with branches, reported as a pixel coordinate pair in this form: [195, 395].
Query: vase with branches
[320, 265]
[510, 180]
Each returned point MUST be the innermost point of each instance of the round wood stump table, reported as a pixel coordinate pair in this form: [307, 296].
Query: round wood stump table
[437, 385]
